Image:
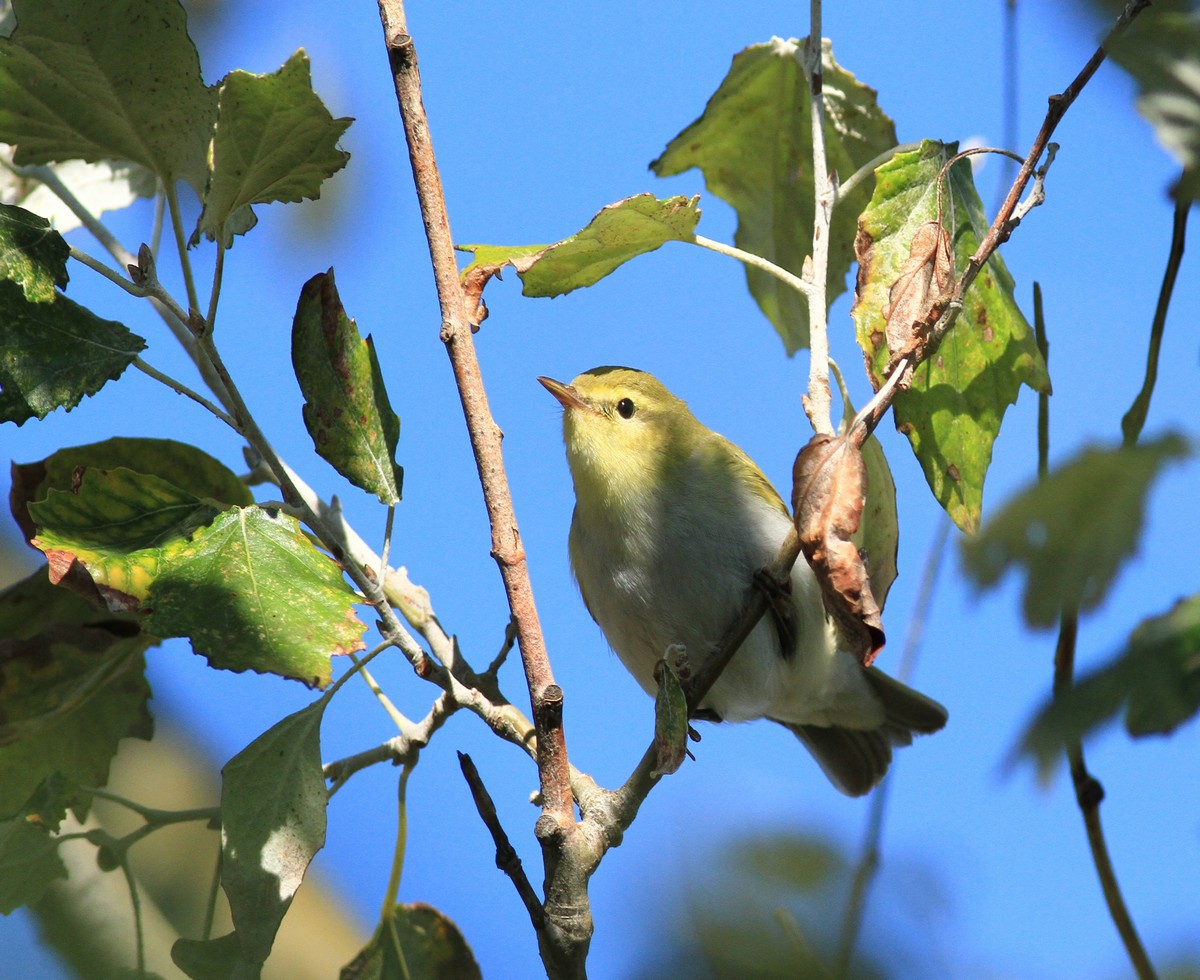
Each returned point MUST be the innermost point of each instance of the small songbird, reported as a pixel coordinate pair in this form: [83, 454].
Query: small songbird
[671, 523]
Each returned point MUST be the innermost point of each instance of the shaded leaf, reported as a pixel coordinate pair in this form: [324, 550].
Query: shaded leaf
[274, 141]
[829, 488]
[878, 534]
[72, 686]
[252, 593]
[29, 863]
[618, 233]
[1070, 532]
[431, 944]
[272, 823]
[106, 80]
[346, 411]
[53, 354]
[754, 146]
[1156, 678]
[99, 187]
[953, 410]
[210, 959]
[32, 254]
[1161, 50]
[670, 721]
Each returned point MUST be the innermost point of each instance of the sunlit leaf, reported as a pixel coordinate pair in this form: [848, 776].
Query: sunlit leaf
[1071, 532]
[618, 233]
[754, 146]
[272, 823]
[106, 80]
[32, 254]
[53, 354]
[1156, 679]
[431, 945]
[346, 411]
[274, 141]
[252, 593]
[71, 687]
[953, 410]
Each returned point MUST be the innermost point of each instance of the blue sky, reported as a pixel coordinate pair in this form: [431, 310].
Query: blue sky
[541, 114]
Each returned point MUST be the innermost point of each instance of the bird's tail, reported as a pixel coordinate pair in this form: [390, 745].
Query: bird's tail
[855, 760]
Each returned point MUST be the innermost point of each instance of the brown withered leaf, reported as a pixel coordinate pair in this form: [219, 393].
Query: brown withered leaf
[929, 264]
[829, 488]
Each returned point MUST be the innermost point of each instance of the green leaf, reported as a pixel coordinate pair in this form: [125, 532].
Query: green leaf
[32, 254]
[618, 233]
[106, 80]
[1156, 678]
[346, 411]
[53, 354]
[670, 721]
[1071, 532]
[953, 411]
[210, 959]
[1161, 50]
[754, 146]
[72, 686]
[120, 526]
[99, 187]
[29, 863]
[431, 944]
[252, 593]
[878, 534]
[274, 141]
[272, 823]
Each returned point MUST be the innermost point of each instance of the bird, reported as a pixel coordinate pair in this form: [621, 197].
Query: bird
[671, 523]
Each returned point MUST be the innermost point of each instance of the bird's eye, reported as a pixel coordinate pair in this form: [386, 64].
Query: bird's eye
[625, 408]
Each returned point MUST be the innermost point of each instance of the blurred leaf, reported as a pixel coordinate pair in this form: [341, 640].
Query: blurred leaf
[272, 823]
[72, 686]
[274, 141]
[789, 860]
[54, 353]
[106, 80]
[32, 254]
[670, 721]
[754, 146]
[432, 946]
[1161, 50]
[618, 233]
[210, 959]
[952, 412]
[29, 862]
[120, 526]
[1156, 678]
[346, 411]
[99, 187]
[878, 534]
[1071, 531]
[252, 592]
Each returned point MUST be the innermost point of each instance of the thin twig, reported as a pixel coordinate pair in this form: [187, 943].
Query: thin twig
[819, 402]
[1043, 416]
[749, 258]
[507, 859]
[181, 388]
[1135, 418]
[545, 695]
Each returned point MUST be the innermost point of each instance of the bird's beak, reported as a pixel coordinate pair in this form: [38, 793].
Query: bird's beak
[567, 395]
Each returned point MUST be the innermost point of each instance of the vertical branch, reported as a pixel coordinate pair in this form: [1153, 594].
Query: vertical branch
[817, 404]
[545, 695]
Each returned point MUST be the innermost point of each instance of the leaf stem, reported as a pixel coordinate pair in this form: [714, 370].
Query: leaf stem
[867, 170]
[93, 263]
[819, 402]
[1135, 418]
[749, 258]
[184, 390]
[185, 263]
[152, 816]
[215, 293]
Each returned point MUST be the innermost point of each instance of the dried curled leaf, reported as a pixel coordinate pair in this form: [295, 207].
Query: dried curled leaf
[929, 262]
[829, 488]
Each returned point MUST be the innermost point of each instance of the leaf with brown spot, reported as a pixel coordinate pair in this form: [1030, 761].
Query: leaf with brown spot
[910, 297]
[829, 486]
